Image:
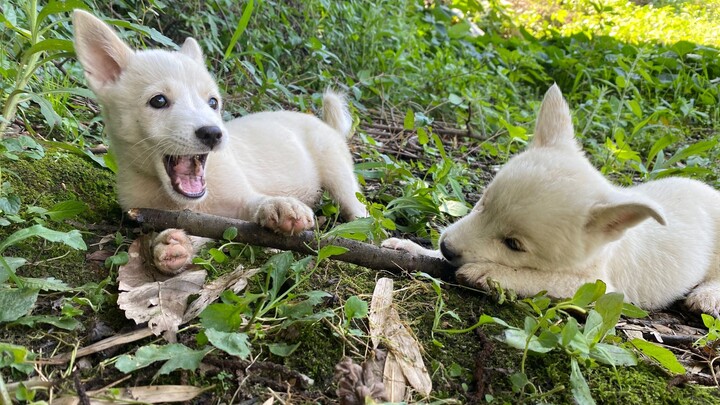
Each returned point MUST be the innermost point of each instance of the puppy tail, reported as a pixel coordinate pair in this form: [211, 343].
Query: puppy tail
[336, 112]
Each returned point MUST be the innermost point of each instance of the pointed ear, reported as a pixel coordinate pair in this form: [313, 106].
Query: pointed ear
[192, 49]
[612, 219]
[101, 52]
[554, 124]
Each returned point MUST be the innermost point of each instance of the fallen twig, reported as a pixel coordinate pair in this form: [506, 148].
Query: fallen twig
[100, 346]
[363, 254]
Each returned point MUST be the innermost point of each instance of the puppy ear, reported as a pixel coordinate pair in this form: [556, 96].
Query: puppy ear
[554, 124]
[192, 49]
[101, 52]
[612, 219]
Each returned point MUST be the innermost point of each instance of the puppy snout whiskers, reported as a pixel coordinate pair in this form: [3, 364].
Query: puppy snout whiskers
[448, 254]
[209, 135]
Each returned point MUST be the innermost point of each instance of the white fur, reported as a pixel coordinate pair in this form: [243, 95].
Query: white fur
[655, 242]
[268, 167]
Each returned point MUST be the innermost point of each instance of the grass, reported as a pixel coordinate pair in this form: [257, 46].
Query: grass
[641, 80]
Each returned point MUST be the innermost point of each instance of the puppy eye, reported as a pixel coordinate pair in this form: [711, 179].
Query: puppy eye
[213, 103]
[159, 101]
[513, 244]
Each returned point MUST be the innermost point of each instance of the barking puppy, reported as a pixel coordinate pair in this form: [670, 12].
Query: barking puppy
[550, 221]
[162, 111]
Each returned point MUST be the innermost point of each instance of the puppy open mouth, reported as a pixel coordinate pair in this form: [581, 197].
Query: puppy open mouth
[187, 174]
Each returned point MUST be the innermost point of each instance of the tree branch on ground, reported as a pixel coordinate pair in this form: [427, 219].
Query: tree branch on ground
[363, 254]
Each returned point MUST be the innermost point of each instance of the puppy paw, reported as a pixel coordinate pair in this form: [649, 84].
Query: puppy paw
[172, 250]
[705, 298]
[400, 244]
[410, 247]
[285, 215]
[473, 275]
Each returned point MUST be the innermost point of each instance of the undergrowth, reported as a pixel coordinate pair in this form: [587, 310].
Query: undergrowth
[641, 80]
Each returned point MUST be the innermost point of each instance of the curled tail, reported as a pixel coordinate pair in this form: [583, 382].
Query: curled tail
[336, 112]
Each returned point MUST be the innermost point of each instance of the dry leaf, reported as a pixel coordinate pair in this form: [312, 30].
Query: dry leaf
[387, 328]
[357, 384]
[148, 296]
[235, 281]
[150, 395]
[394, 379]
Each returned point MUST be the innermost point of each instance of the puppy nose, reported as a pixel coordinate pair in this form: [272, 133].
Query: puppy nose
[447, 253]
[209, 135]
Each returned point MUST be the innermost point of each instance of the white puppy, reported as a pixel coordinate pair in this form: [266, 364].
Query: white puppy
[162, 112]
[550, 221]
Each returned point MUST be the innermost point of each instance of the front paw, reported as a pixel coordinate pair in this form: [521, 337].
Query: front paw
[285, 215]
[400, 244]
[473, 275]
[172, 251]
[705, 298]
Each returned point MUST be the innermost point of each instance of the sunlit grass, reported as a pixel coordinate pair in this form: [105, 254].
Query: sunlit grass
[635, 22]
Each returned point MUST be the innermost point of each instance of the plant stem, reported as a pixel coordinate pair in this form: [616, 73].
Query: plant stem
[25, 73]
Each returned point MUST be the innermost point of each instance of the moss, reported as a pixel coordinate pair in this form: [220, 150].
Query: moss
[61, 176]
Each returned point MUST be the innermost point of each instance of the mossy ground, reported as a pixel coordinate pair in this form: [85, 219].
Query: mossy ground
[470, 367]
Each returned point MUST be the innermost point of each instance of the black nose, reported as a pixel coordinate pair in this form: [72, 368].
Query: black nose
[447, 253]
[209, 135]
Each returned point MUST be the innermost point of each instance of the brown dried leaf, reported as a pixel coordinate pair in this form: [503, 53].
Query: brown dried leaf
[394, 379]
[147, 296]
[386, 327]
[235, 281]
[149, 394]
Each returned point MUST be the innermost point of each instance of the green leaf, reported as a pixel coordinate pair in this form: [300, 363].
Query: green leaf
[59, 7]
[242, 24]
[283, 349]
[17, 357]
[330, 250]
[56, 321]
[610, 306]
[46, 284]
[518, 339]
[355, 308]
[14, 263]
[232, 343]
[578, 385]
[52, 44]
[631, 311]
[409, 122]
[177, 356]
[221, 317]
[16, 302]
[708, 320]
[665, 357]
[359, 229]
[454, 208]
[72, 239]
[119, 259]
[217, 255]
[230, 233]
[455, 99]
[422, 136]
[593, 326]
[569, 331]
[10, 204]
[613, 355]
[588, 293]
[66, 209]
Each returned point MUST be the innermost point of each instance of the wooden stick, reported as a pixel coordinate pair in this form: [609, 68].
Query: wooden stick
[363, 254]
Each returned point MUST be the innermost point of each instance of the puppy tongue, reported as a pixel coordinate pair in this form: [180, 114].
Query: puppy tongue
[189, 174]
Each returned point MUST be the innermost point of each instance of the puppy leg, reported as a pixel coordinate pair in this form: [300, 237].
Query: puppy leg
[705, 298]
[525, 282]
[173, 250]
[410, 247]
[338, 178]
[286, 215]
